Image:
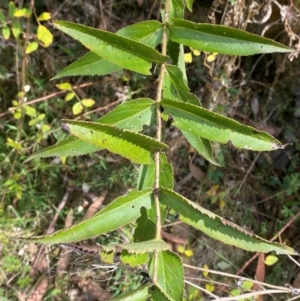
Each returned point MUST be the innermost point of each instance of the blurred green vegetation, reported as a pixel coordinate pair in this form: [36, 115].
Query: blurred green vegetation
[262, 200]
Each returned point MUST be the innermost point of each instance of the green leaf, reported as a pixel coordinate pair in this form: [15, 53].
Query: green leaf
[77, 108]
[247, 285]
[2, 16]
[179, 84]
[134, 259]
[89, 64]
[5, 32]
[148, 33]
[11, 9]
[158, 295]
[203, 146]
[130, 115]
[44, 35]
[215, 127]
[107, 253]
[218, 227]
[189, 5]
[31, 47]
[221, 39]
[176, 9]
[145, 227]
[30, 111]
[133, 146]
[138, 247]
[170, 278]
[69, 147]
[147, 174]
[140, 294]
[120, 212]
[119, 50]
[173, 51]
[16, 29]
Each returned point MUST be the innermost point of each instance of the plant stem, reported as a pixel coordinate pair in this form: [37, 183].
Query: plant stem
[159, 121]
[158, 135]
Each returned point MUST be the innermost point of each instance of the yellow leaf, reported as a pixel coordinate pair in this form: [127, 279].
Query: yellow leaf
[20, 12]
[23, 12]
[63, 159]
[205, 272]
[196, 52]
[209, 287]
[222, 204]
[13, 144]
[30, 111]
[247, 285]
[77, 108]
[21, 94]
[41, 117]
[64, 86]
[44, 35]
[45, 128]
[213, 190]
[44, 16]
[88, 102]
[210, 58]
[5, 32]
[189, 253]
[180, 249]
[188, 57]
[235, 292]
[271, 259]
[15, 103]
[69, 96]
[17, 114]
[19, 194]
[33, 122]
[31, 47]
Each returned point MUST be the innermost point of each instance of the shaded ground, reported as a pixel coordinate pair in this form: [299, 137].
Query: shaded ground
[257, 191]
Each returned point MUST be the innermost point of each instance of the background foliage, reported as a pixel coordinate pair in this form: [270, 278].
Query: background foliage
[255, 92]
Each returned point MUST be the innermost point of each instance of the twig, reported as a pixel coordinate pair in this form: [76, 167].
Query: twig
[273, 238]
[46, 97]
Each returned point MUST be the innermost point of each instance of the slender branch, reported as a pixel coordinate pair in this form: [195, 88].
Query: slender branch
[158, 136]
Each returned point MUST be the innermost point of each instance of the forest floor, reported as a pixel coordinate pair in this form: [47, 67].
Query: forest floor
[258, 191]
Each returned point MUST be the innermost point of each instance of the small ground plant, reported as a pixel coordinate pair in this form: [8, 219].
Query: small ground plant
[120, 131]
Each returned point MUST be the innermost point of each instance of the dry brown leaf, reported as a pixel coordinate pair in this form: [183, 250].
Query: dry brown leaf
[39, 291]
[272, 130]
[254, 103]
[260, 274]
[94, 291]
[174, 239]
[63, 261]
[296, 282]
[197, 173]
[94, 207]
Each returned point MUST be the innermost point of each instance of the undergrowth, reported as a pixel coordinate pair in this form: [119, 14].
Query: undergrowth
[262, 197]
